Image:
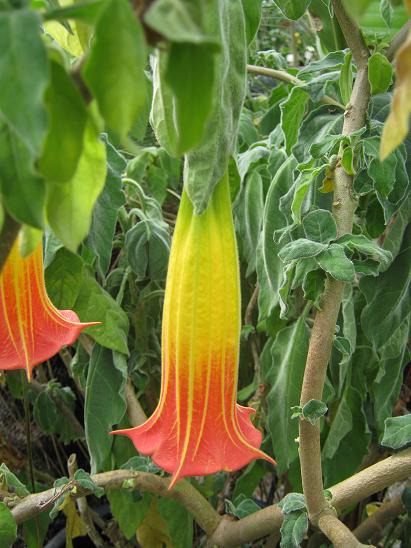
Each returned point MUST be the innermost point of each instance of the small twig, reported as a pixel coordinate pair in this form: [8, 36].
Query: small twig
[83, 507]
[8, 236]
[375, 524]
[398, 40]
[135, 412]
[283, 76]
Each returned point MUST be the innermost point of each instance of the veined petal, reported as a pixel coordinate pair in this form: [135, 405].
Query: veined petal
[198, 428]
[31, 328]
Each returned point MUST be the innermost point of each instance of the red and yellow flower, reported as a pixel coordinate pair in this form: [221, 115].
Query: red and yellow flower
[31, 328]
[197, 427]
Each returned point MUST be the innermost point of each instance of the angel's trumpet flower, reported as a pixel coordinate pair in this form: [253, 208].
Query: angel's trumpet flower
[31, 328]
[197, 427]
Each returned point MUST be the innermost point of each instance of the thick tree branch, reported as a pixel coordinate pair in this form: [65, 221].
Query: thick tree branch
[8, 236]
[223, 531]
[324, 326]
[283, 76]
[352, 34]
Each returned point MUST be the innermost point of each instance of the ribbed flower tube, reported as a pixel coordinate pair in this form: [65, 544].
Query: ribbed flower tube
[197, 427]
[32, 330]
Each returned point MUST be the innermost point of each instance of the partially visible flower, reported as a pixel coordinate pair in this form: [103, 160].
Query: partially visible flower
[31, 328]
[197, 427]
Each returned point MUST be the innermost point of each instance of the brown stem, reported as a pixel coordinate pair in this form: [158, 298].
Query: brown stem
[224, 531]
[8, 236]
[83, 507]
[398, 40]
[322, 334]
[135, 412]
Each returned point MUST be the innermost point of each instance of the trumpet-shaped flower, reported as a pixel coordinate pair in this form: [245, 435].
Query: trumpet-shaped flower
[31, 328]
[197, 427]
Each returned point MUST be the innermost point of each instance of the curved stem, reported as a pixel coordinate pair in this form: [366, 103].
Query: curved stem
[319, 352]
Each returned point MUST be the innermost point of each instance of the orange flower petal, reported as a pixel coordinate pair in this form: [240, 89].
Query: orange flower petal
[31, 328]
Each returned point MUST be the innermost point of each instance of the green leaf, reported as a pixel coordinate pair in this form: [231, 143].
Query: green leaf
[128, 509]
[252, 13]
[320, 226]
[179, 522]
[292, 114]
[289, 353]
[118, 46]
[249, 212]
[8, 526]
[13, 482]
[269, 266]
[336, 263]
[23, 78]
[406, 500]
[94, 304]
[241, 506]
[346, 79]
[68, 116]
[397, 432]
[86, 10]
[314, 410]
[293, 9]
[380, 73]
[313, 286]
[292, 502]
[347, 160]
[367, 247]
[104, 405]
[104, 219]
[190, 73]
[385, 390]
[147, 246]
[70, 205]
[301, 249]
[23, 191]
[383, 173]
[388, 297]
[207, 163]
[348, 438]
[64, 276]
[83, 479]
[294, 529]
[178, 21]
[386, 11]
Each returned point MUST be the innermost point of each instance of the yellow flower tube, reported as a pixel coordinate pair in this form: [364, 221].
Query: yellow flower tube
[197, 427]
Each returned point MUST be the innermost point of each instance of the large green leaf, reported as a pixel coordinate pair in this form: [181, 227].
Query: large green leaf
[179, 522]
[292, 114]
[68, 117]
[114, 69]
[23, 77]
[94, 304]
[347, 439]
[397, 432]
[190, 73]
[289, 353]
[388, 297]
[8, 526]
[23, 191]
[293, 9]
[269, 266]
[104, 405]
[64, 276]
[249, 213]
[104, 219]
[207, 163]
[70, 205]
[252, 12]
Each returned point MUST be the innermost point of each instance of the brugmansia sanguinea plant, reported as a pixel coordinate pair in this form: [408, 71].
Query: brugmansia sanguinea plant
[197, 427]
[31, 328]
